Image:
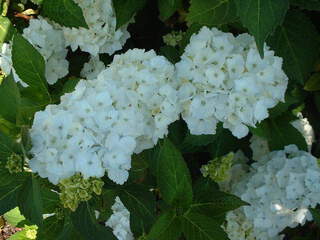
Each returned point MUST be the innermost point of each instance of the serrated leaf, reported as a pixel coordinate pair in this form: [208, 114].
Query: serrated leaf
[84, 221]
[125, 10]
[306, 4]
[10, 99]
[297, 42]
[30, 201]
[167, 227]
[141, 204]
[173, 176]
[13, 217]
[168, 7]
[200, 227]
[261, 17]
[6, 29]
[212, 12]
[30, 66]
[313, 84]
[22, 235]
[280, 133]
[65, 12]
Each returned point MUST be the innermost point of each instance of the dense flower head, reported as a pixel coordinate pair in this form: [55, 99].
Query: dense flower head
[97, 128]
[222, 78]
[102, 35]
[280, 188]
[50, 44]
[120, 221]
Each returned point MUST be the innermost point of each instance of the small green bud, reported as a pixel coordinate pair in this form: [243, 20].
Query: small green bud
[218, 168]
[15, 163]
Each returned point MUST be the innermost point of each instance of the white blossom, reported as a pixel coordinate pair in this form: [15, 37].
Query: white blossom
[50, 44]
[97, 128]
[223, 79]
[120, 221]
[280, 188]
[102, 35]
[92, 68]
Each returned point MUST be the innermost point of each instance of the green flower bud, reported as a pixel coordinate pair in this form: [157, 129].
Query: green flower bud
[15, 163]
[218, 168]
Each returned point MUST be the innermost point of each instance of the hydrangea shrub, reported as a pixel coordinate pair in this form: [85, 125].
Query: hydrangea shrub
[160, 120]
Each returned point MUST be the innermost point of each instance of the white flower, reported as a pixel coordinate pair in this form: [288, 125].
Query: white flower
[92, 68]
[223, 79]
[101, 36]
[279, 188]
[98, 127]
[120, 221]
[50, 44]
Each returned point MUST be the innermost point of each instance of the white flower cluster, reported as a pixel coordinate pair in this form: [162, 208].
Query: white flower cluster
[120, 221]
[238, 227]
[92, 68]
[280, 188]
[51, 45]
[104, 121]
[224, 79]
[102, 36]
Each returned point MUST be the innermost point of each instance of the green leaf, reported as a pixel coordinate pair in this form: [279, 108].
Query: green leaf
[125, 10]
[141, 204]
[84, 221]
[199, 227]
[223, 143]
[30, 66]
[10, 185]
[168, 7]
[58, 229]
[167, 227]
[22, 235]
[70, 85]
[192, 143]
[30, 201]
[50, 200]
[217, 204]
[311, 5]
[6, 30]
[65, 12]
[261, 17]
[297, 42]
[212, 12]
[13, 217]
[316, 215]
[173, 176]
[10, 99]
[280, 133]
[139, 167]
[50, 229]
[7, 146]
[171, 53]
[313, 84]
